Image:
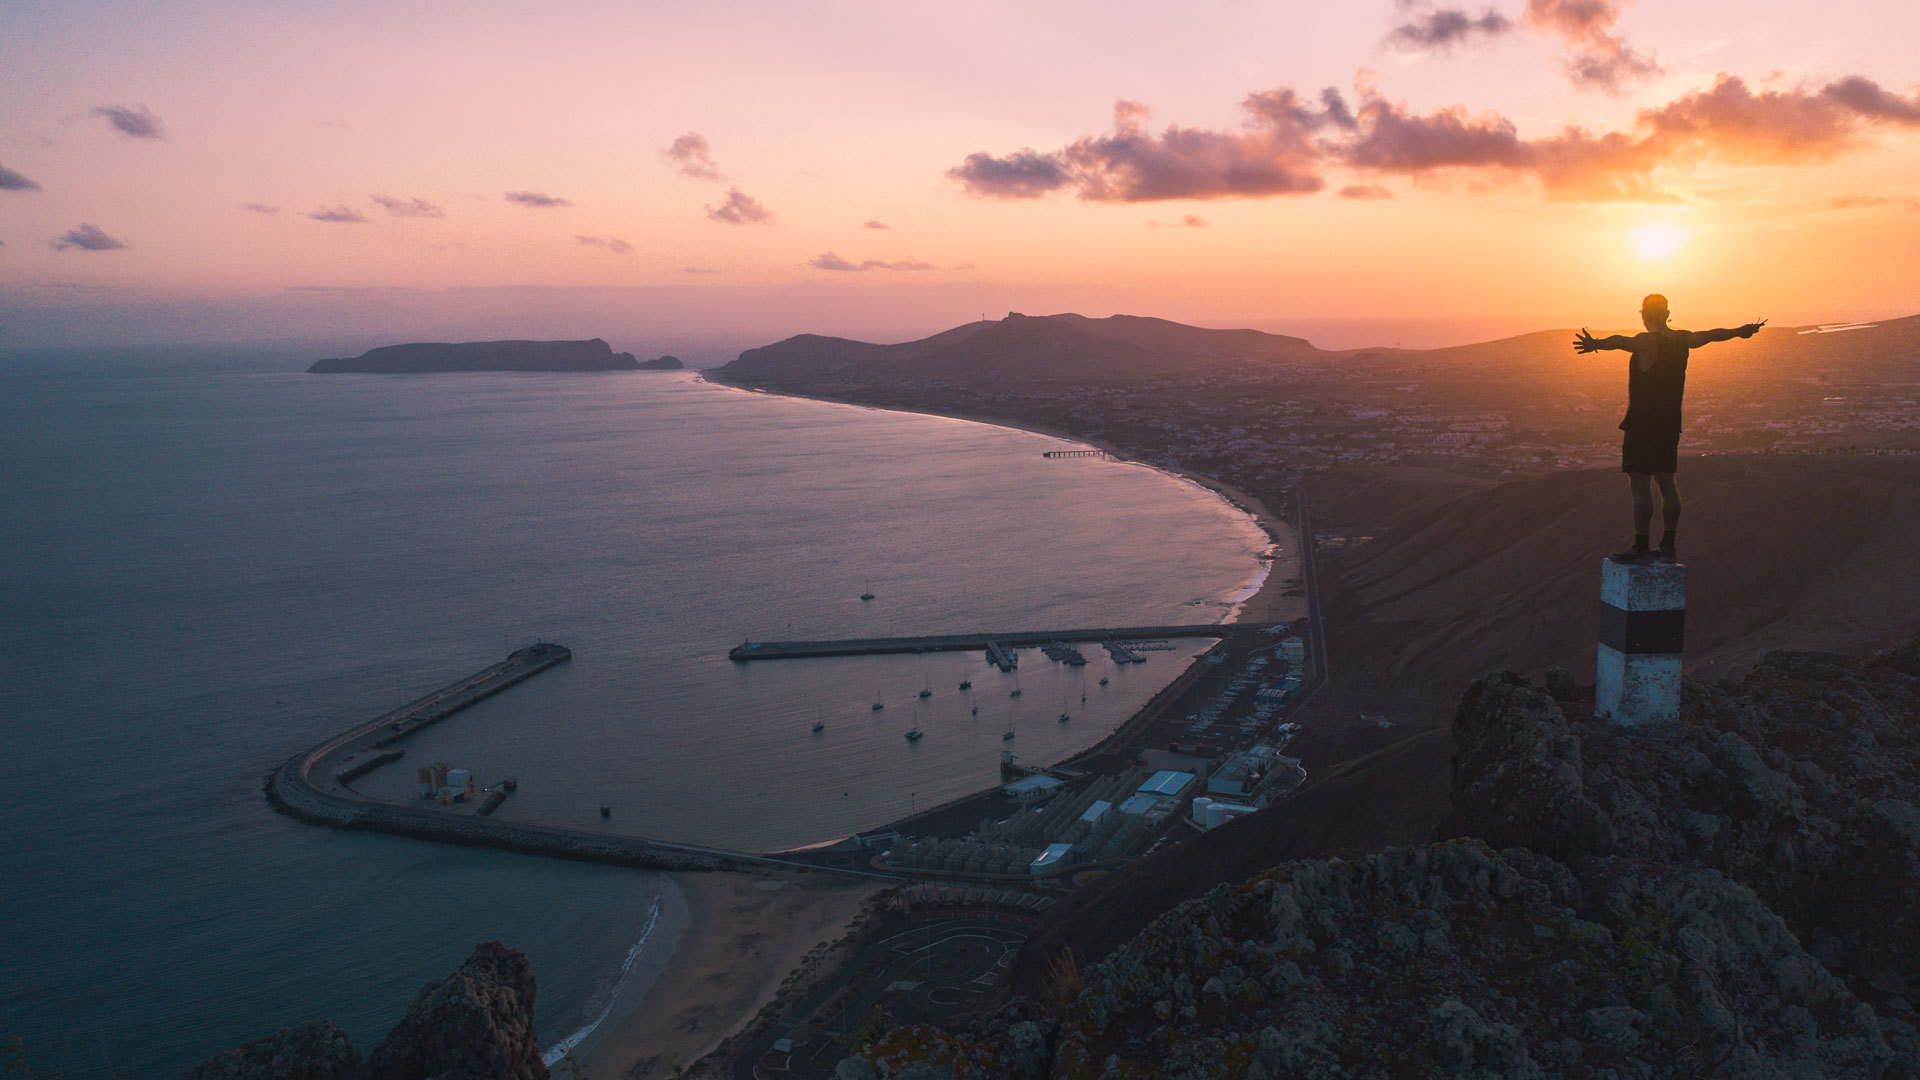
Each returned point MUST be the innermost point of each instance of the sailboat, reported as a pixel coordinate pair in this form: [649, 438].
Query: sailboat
[1103, 680]
[878, 703]
[927, 692]
[1064, 715]
[868, 594]
[966, 683]
[1016, 685]
[914, 732]
[819, 724]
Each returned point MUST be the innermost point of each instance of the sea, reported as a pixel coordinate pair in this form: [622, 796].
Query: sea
[209, 562]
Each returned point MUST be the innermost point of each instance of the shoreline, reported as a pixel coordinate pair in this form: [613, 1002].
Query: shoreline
[1259, 601]
[736, 940]
[646, 961]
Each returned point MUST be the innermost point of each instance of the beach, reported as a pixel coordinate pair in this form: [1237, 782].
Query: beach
[722, 947]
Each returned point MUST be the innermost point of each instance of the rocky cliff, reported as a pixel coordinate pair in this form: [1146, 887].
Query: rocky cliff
[1731, 895]
[476, 1024]
[594, 355]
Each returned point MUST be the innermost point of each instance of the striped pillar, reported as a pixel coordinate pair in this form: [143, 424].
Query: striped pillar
[1643, 615]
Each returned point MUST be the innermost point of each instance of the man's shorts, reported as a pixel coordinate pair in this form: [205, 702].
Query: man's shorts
[1649, 450]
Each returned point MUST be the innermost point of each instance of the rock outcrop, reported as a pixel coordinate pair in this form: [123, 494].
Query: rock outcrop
[592, 355]
[1729, 896]
[476, 1024]
[662, 363]
[315, 1050]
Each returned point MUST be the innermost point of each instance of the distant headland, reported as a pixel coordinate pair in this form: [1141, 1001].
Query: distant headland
[594, 355]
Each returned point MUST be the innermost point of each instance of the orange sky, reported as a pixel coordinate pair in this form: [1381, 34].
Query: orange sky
[212, 171]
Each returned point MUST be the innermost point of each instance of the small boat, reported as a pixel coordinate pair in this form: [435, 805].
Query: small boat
[819, 726]
[878, 705]
[1006, 735]
[1103, 680]
[976, 710]
[966, 684]
[1083, 696]
[606, 811]
[867, 595]
[1016, 687]
[1064, 717]
[913, 734]
[927, 692]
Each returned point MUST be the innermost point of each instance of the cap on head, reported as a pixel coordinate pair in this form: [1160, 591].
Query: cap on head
[1653, 304]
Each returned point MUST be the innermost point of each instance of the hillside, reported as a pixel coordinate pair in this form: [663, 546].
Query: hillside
[1051, 348]
[1728, 895]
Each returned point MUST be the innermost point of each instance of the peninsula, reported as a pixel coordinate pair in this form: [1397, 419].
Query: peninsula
[594, 355]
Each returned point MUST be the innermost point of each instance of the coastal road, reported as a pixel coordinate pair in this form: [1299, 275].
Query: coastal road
[926, 970]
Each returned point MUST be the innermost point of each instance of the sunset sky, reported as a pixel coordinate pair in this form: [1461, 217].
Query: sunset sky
[203, 171]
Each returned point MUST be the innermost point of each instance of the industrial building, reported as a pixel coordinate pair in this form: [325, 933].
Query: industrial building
[1037, 786]
[1051, 861]
[1166, 784]
[1209, 814]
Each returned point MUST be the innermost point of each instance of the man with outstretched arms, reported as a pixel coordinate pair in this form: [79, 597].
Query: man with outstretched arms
[1656, 380]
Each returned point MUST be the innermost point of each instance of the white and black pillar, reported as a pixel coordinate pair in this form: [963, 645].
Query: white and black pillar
[1643, 618]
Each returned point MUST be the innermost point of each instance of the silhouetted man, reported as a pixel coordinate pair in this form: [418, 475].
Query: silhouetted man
[1656, 380]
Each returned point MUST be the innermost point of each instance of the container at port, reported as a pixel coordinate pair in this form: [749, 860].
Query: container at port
[1166, 784]
[1038, 786]
[1051, 861]
[460, 781]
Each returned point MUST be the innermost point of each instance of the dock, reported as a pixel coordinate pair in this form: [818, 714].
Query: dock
[989, 642]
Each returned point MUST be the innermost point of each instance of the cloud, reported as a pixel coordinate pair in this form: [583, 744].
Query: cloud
[1365, 191]
[1188, 221]
[138, 123]
[693, 156]
[875, 224]
[259, 208]
[85, 237]
[345, 215]
[1273, 154]
[536, 199]
[407, 207]
[1597, 58]
[830, 261]
[611, 243]
[1860, 202]
[1286, 141]
[699, 270]
[13, 181]
[740, 209]
[1446, 29]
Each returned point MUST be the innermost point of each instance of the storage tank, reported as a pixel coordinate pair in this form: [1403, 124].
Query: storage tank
[1200, 807]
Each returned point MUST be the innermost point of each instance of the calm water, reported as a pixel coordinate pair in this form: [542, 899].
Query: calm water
[205, 567]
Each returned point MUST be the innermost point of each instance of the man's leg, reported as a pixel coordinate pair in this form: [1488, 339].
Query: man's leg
[1669, 512]
[1641, 484]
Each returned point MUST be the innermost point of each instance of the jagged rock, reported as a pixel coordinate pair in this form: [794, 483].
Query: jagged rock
[315, 1050]
[476, 1024]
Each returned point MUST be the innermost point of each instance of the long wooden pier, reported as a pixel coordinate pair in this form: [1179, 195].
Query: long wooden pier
[792, 650]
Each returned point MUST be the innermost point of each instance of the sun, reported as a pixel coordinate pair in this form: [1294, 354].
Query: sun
[1659, 241]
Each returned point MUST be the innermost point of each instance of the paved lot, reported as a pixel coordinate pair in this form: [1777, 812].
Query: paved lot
[922, 971]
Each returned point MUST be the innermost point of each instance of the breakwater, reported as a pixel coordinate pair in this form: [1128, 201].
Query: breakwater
[1021, 639]
[312, 786]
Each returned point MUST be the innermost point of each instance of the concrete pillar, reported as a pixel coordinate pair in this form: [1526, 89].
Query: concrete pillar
[1643, 614]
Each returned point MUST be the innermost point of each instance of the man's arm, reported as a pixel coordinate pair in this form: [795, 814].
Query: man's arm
[1697, 338]
[1584, 342]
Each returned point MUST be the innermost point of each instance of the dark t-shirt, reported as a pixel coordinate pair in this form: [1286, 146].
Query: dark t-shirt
[1653, 395]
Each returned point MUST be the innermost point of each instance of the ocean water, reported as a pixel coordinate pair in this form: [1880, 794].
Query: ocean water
[206, 566]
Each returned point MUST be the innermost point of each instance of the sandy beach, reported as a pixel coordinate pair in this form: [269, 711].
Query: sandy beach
[723, 946]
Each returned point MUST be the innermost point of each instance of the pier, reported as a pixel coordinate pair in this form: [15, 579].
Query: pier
[1074, 453]
[989, 642]
[314, 786]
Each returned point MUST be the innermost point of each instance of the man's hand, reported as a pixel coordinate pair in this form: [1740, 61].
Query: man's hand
[1584, 342]
[1751, 328]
